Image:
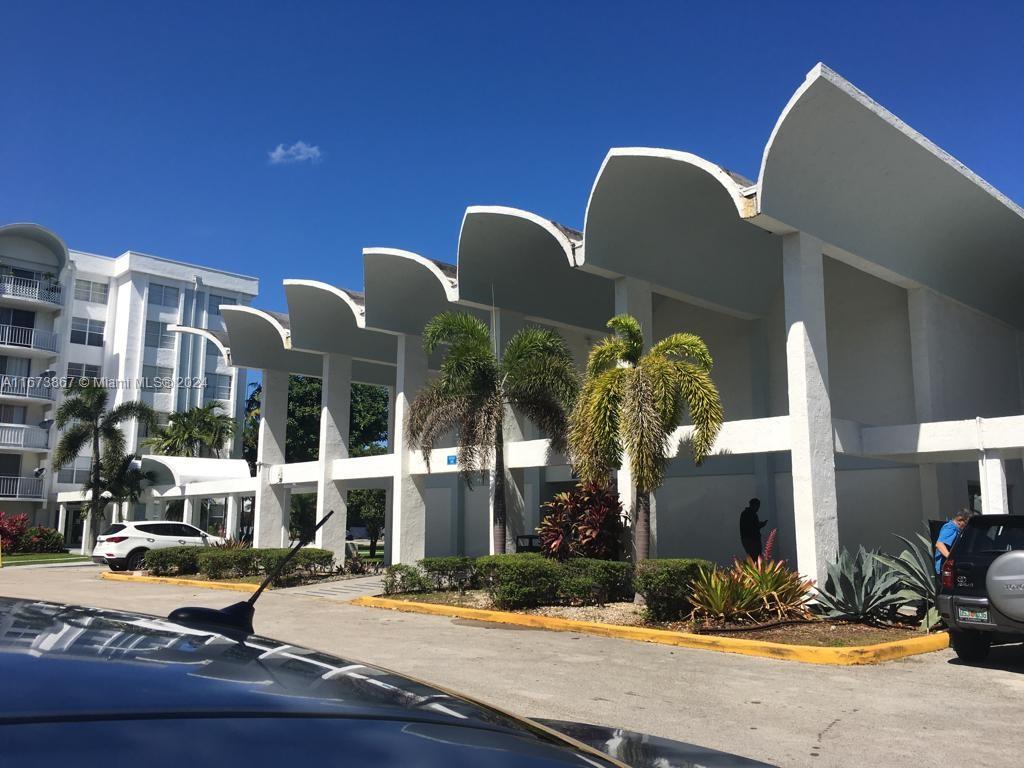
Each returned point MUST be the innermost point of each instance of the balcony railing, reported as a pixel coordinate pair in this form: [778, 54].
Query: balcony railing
[24, 386]
[34, 338]
[23, 436]
[14, 487]
[25, 288]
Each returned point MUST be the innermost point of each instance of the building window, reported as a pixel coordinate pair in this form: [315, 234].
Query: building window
[163, 296]
[83, 371]
[12, 414]
[161, 421]
[77, 472]
[86, 331]
[218, 387]
[156, 378]
[213, 307]
[87, 290]
[157, 335]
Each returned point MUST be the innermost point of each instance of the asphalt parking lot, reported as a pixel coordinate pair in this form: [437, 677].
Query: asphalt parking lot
[924, 709]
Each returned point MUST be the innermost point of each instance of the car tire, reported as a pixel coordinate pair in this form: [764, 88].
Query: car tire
[117, 566]
[136, 560]
[970, 645]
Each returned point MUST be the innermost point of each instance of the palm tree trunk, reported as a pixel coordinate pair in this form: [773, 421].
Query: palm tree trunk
[94, 529]
[641, 526]
[498, 533]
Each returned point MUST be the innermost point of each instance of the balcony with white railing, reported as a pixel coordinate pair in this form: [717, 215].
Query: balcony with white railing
[42, 291]
[24, 436]
[28, 338]
[14, 487]
[24, 386]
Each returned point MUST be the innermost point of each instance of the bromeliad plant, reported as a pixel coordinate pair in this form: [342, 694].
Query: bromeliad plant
[584, 522]
[632, 401]
[860, 588]
[750, 591]
[471, 397]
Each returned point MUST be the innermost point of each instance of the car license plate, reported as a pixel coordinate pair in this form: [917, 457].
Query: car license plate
[978, 615]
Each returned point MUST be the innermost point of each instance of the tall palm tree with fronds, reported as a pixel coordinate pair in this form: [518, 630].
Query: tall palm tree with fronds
[121, 478]
[189, 433]
[535, 376]
[632, 402]
[85, 420]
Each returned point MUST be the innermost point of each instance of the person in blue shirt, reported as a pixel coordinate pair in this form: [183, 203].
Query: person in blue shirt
[948, 535]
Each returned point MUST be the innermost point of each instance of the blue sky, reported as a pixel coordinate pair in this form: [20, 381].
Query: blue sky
[153, 126]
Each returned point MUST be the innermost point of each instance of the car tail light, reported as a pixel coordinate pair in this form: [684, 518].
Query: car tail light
[947, 574]
[115, 539]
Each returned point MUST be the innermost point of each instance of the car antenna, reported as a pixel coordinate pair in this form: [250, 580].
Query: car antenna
[238, 617]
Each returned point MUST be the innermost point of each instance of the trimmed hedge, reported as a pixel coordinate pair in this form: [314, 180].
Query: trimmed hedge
[404, 578]
[584, 581]
[522, 580]
[449, 572]
[217, 563]
[174, 561]
[665, 586]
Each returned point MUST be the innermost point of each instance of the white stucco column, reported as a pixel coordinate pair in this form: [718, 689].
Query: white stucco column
[764, 463]
[633, 297]
[810, 410]
[86, 533]
[190, 512]
[408, 503]
[271, 511]
[232, 517]
[335, 401]
[992, 472]
[62, 519]
[115, 512]
[925, 364]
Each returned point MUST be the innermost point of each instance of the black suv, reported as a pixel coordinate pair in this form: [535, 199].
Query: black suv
[981, 595]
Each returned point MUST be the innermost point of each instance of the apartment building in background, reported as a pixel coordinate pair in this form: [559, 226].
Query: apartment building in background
[67, 313]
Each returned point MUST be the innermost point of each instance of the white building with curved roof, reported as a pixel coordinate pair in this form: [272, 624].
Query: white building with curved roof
[860, 299]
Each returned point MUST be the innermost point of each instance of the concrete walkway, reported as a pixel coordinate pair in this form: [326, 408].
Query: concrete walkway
[341, 591]
[920, 710]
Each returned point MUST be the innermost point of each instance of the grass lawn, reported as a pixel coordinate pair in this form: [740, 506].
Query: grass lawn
[364, 552]
[37, 558]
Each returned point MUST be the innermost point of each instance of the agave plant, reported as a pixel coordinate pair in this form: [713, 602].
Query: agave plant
[916, 571]
[233, 544]
[860, 588]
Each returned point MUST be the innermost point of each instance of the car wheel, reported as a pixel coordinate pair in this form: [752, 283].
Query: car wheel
[136, 560]
[970, 645]
[117, 566]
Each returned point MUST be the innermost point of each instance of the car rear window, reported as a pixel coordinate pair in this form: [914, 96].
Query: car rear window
[985, 537]
[160, 529]
[113, 529]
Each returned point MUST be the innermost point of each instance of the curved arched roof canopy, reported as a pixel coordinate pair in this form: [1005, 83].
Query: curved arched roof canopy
[329, 319]
[257, 340]
[674, 220]
[179, 470]
[40, 236]
[841, 167]
[405, 290]
[516, 260]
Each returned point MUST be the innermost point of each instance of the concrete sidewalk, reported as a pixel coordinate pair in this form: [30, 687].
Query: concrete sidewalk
[901, 713]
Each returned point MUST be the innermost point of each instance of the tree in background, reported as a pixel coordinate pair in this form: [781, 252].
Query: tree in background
[85, 419]
[194, 432]
[121, 478]
[632, 402]
[535, 376]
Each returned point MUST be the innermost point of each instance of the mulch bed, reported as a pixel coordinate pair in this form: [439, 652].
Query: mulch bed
[822, 633]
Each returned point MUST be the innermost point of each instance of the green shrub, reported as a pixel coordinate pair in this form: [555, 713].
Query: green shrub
[521, 580]
[214, 563]
[583, 581]
[39, 539]
[309, 560]
[449, 572]
[315, 562]
[180, 561]
[665, 586]
[404, 578]
[584, 522]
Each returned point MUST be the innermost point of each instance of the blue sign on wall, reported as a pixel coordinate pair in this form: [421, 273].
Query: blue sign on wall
[452, 460]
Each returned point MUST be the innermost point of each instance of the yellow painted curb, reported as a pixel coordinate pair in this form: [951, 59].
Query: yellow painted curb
[233, 587]
[861, 654]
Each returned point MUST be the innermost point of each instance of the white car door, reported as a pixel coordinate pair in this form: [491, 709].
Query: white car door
[159, 535]
[191, 536]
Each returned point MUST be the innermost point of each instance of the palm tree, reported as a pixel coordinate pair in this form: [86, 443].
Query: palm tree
[85, 419]
[632, 402]
[188, 433]
[535, 376]
[121, 478]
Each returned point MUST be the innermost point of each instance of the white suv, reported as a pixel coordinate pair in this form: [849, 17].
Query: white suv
[123, 546]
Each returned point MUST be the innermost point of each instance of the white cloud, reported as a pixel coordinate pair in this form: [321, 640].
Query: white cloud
[298, 152]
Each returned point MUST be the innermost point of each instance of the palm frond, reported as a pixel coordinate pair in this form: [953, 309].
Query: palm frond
[627, 328]
[642, 430]
[700, 395]
[595, 449]
[83, 401]
[607, 353]
[479, 430]
[540, 380]
[456, 328]
[433, 413]
[683, 346]
[72, 441]
[132, 409]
